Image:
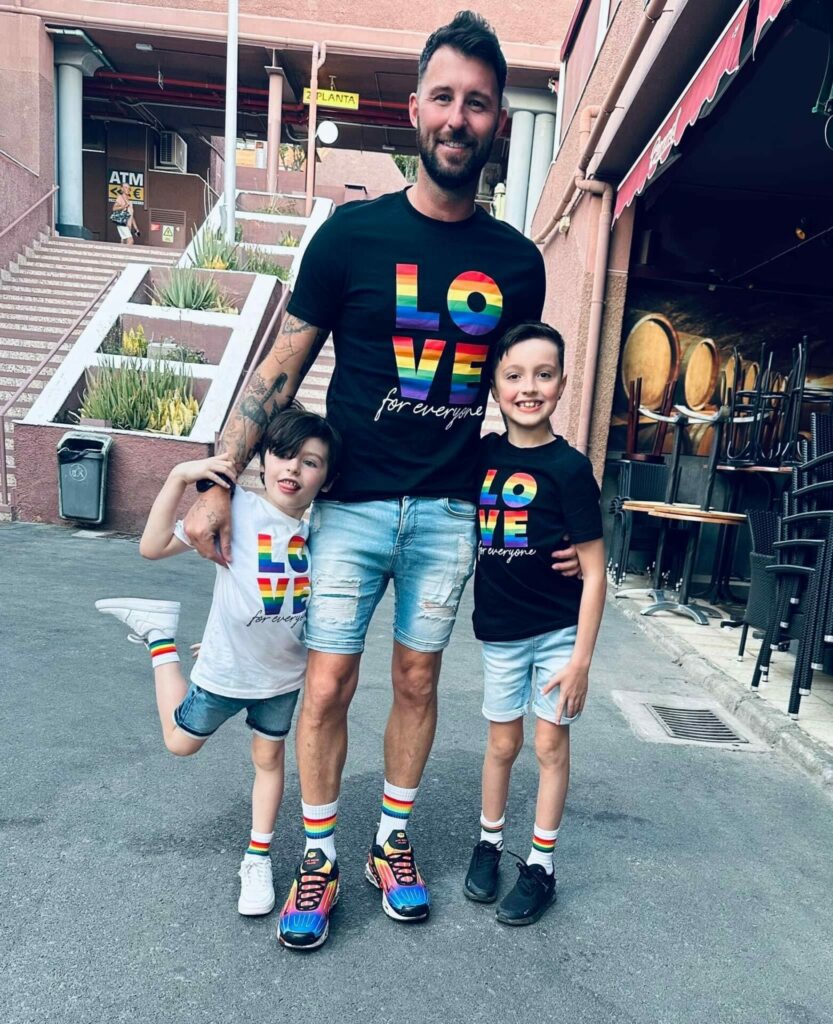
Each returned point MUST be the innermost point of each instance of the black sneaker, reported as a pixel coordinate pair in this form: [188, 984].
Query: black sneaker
[481, 878]
[529, 897]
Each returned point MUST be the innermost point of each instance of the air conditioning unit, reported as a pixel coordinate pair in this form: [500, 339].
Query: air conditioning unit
[173, 152]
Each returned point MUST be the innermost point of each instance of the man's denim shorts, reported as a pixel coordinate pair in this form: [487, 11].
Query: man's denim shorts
[425, 545]
[515, 672]
[202, 713]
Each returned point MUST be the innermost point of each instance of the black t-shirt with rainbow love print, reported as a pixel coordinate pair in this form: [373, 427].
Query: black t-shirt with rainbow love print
[530, 499]
[414, 306]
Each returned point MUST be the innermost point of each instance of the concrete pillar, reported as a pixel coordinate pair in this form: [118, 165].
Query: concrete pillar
[73, 63]
[273, 127]
[542, 141]
[517, 174]
[70, 158]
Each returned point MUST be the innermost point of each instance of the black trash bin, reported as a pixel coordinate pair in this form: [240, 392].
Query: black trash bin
[82, 476]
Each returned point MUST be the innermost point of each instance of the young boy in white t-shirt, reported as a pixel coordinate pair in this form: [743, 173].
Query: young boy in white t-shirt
[252, 655]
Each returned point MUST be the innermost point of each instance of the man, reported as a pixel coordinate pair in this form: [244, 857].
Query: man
[415, 288]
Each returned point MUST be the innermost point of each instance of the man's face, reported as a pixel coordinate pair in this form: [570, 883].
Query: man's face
[457, 114]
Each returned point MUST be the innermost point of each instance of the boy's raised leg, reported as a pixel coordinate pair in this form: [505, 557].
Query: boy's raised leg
[154, 624]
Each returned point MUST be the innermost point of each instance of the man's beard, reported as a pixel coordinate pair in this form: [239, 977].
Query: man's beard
[454, 177]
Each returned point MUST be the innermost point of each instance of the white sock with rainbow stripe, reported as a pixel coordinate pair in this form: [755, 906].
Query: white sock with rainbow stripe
[492, 831]
[320, 827]
[162, 648]
[259, 843]
[543, 848]
[397, 804]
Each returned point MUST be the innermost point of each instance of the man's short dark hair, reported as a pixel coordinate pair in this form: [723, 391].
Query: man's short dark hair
[526, 332]
[471, 35]
[287, 432]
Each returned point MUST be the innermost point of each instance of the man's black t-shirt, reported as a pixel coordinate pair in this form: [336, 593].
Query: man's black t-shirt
[414, 305]
[530, 498]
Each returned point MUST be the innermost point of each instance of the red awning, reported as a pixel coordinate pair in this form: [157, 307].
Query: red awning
[768, 10]
[724, 59]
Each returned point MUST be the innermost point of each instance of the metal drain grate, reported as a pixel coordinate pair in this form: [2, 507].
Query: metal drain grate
[695, 725]
[684, 719]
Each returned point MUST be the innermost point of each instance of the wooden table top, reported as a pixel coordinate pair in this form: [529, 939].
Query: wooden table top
[639, 505]
[754, 469]
[698, 515]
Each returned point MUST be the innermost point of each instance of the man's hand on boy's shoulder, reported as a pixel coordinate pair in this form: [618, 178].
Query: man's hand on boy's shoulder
[214, 468]
[208, 525]
[565, 561]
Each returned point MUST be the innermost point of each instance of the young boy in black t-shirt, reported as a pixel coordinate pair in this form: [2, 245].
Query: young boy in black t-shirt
[538, 628]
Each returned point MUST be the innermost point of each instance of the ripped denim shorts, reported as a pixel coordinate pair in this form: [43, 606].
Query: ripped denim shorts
[425, 545]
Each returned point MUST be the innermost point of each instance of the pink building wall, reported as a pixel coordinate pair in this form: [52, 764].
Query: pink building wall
[513, 19]
[569, 257]
[28, 117]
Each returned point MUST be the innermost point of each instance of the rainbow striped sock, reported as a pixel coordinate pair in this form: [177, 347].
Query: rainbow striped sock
[162, 651]
[319, 828]
[259, 843]
[492, 831]
[543, 848]
[397, 804]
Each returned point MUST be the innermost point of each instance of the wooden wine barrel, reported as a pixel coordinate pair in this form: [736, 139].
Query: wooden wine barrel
[652, 352]
[700, 366]
[729, 371]
[750, 375]
[700, 438]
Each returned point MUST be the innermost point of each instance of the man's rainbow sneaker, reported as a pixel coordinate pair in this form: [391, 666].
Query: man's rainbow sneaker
[392, 869]
[304, 922]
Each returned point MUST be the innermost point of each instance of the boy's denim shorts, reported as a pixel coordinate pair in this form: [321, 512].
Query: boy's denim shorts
[202, 713]
[515, 672]
[425, 545]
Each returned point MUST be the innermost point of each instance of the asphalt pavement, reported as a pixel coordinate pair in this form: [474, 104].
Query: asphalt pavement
[695, 884]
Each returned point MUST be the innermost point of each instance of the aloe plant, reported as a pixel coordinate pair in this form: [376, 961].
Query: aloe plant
[129, 398]
[185, 288]
[260, 262]
[211, 251]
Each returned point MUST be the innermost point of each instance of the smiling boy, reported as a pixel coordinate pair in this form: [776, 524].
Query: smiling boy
[538, 628]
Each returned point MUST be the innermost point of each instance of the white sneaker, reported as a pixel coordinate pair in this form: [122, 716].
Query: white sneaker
[141, 615]
[257, 890]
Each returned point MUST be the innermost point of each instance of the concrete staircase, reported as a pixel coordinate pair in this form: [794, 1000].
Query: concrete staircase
[41, 294]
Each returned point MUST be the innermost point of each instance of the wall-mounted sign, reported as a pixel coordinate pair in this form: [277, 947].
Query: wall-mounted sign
[168, 234]
[335, 98]
[135, 180]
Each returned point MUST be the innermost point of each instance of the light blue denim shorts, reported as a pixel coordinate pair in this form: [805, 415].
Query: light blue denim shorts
[201, 713]
[515, 672]
[424, 545]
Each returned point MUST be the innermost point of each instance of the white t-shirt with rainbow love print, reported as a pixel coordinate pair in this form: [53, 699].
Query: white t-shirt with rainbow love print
[252, 646]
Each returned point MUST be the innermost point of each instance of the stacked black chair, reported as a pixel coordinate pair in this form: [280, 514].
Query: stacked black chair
[638, 481]
[803, 608]
[763, 527]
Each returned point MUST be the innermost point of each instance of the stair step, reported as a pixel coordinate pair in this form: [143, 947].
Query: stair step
[38, 333]
[12, 381]
[35, 314]
[41, 289]
[24, 330]
[24, 400]
[68, 260]
[64, 271]
[10, 372]
[36, 346]
[112, 248]
[44, 298]
[67, 282]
